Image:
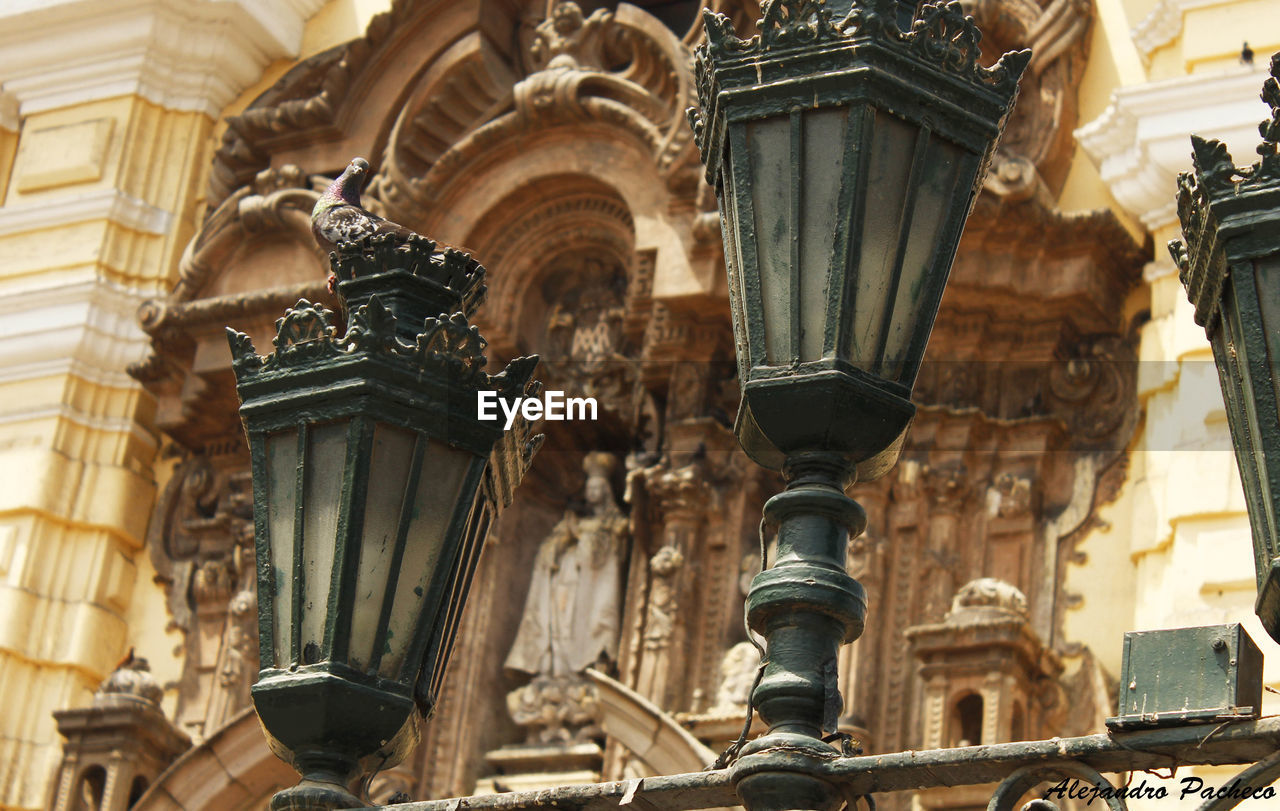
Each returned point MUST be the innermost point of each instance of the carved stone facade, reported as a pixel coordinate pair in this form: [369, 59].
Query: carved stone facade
[551, 141]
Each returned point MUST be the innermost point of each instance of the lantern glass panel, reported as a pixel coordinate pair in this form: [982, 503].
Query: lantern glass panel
[794, 164]
[390, 463]
[326, 462]
[1267, 281]
[769, 150]
[934, 191]
[436, 499]
[889, 169]
[822, 148]
[281, 501]
[914, 177]
[1238, 395]
[733, 267]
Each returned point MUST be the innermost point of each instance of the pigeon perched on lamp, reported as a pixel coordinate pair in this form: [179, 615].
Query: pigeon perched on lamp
[339, 217]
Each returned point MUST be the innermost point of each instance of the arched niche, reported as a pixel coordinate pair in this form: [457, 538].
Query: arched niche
[90, 790]
[964, 727]
[574, 176]
[561, 237]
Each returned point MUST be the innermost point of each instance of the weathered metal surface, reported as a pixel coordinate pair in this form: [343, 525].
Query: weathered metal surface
[1190, 745]
[1023, 780]
[695, 790]
[810, 132]
[1184, 675]
[1229, 265]
[1261, 774]
[337, 701]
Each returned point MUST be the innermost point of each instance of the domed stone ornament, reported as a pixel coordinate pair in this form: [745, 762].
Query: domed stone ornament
[989, 593]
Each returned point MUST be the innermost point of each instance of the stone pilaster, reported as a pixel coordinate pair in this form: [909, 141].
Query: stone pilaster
[107, 117]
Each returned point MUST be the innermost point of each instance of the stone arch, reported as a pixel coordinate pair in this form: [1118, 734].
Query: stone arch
[528, 232]
[232, 769]
[91, 788]
[541, 161]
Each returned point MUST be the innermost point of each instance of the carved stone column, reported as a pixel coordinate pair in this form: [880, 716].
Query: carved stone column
[679, 499]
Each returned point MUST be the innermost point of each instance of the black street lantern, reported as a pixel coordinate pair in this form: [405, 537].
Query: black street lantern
[374, 486]
[846, 155]
[1230, 266]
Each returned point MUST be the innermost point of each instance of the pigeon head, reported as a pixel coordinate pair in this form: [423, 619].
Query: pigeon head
[351, 181]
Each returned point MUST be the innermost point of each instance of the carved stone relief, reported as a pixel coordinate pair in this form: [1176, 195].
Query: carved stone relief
[201, 544]
[1035, 152]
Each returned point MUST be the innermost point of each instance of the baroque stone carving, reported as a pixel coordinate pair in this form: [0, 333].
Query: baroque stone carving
[309, 97]
[587, 348]
[738, 671]
[556, 709]
[567, 40]
[618, 67]
[571, 613]
[201, 545]
[990, 592]
[132, 678]
[196, 408]
[1035, 151]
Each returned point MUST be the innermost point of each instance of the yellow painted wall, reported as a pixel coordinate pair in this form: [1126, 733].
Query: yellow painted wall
[78, 469]
[1175, 548]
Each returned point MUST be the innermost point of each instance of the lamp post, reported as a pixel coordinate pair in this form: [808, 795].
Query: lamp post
[1230, 266]
[846, 155]
[374, 486]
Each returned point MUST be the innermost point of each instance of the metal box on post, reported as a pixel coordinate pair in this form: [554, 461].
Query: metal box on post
[1188, 675]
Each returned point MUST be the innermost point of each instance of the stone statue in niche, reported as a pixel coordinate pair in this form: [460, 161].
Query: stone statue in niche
[584, 347]
[585, 324]
[572, 614]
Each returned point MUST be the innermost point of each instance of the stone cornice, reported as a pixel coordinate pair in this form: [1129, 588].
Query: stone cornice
[193, 55]
[88, 328]
[107, 204]
[1142, 140]
[1163, 24]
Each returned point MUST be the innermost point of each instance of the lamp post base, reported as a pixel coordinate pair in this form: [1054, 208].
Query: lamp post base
[325, 777]
[316, 792]
[776, 772]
